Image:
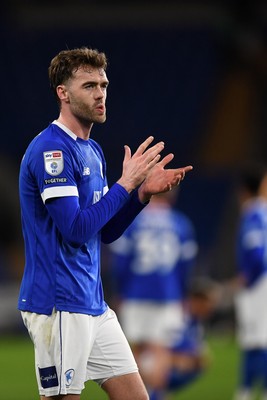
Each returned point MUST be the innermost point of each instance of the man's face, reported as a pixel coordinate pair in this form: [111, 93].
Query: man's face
[87, 93]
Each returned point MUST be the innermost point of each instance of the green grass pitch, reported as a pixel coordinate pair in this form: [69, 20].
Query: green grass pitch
[18, 377]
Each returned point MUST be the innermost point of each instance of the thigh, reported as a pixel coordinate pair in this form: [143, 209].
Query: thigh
[111, 354]
[126, 387]
[154, 362]
[62, 343]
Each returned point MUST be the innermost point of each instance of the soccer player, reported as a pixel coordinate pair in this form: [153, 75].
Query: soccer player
[152, 266]
[67, 210]
[251, 298]
[191, 355]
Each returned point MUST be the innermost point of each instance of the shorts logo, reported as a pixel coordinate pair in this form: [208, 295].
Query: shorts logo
[53, 162]
[48, 377]
[69, 375]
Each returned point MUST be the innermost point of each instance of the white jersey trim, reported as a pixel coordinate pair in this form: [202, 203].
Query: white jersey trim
[59, 191]
[65, 129]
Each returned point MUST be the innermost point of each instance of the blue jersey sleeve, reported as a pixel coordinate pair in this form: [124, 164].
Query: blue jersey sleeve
[77, 226]
[125, 216]
[52, 169]
[71, 178]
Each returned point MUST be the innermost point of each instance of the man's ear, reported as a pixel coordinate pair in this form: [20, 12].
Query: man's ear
[62, 93]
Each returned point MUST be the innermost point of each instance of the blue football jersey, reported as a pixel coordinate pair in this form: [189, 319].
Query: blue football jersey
[60, 274]
[153, 259]
[252, 241]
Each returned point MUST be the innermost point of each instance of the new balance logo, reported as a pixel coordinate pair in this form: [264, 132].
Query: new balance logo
[86, 171]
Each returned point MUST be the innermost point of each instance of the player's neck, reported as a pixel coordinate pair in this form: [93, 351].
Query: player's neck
[79, 129]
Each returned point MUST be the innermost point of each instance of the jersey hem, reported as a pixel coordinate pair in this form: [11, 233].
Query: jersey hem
[71, 309]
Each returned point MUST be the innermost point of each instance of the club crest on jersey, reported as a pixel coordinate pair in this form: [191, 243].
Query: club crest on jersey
[53, 162]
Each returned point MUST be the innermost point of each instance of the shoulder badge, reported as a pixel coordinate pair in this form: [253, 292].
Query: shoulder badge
[53, 162]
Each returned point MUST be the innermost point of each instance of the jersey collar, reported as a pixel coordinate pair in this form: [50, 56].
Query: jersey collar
[65, 129]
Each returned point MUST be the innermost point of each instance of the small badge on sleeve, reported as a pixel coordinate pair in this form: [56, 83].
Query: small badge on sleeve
[53, 162]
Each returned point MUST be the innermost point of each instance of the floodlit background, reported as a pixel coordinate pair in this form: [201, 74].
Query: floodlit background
[191, 73]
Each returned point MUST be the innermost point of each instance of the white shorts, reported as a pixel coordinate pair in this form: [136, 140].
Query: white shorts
[71, 349]
[251, 315]
[144, 321]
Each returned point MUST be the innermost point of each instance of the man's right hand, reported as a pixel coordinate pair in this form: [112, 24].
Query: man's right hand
[137, 166]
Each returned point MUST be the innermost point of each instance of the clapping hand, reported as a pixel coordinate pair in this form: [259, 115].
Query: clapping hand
[161, 180]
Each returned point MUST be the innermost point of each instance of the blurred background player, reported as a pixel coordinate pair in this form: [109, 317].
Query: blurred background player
[191, 354]
[151, 266]
[251, 281]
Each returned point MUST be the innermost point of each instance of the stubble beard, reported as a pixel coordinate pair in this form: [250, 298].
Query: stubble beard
[87, 116]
